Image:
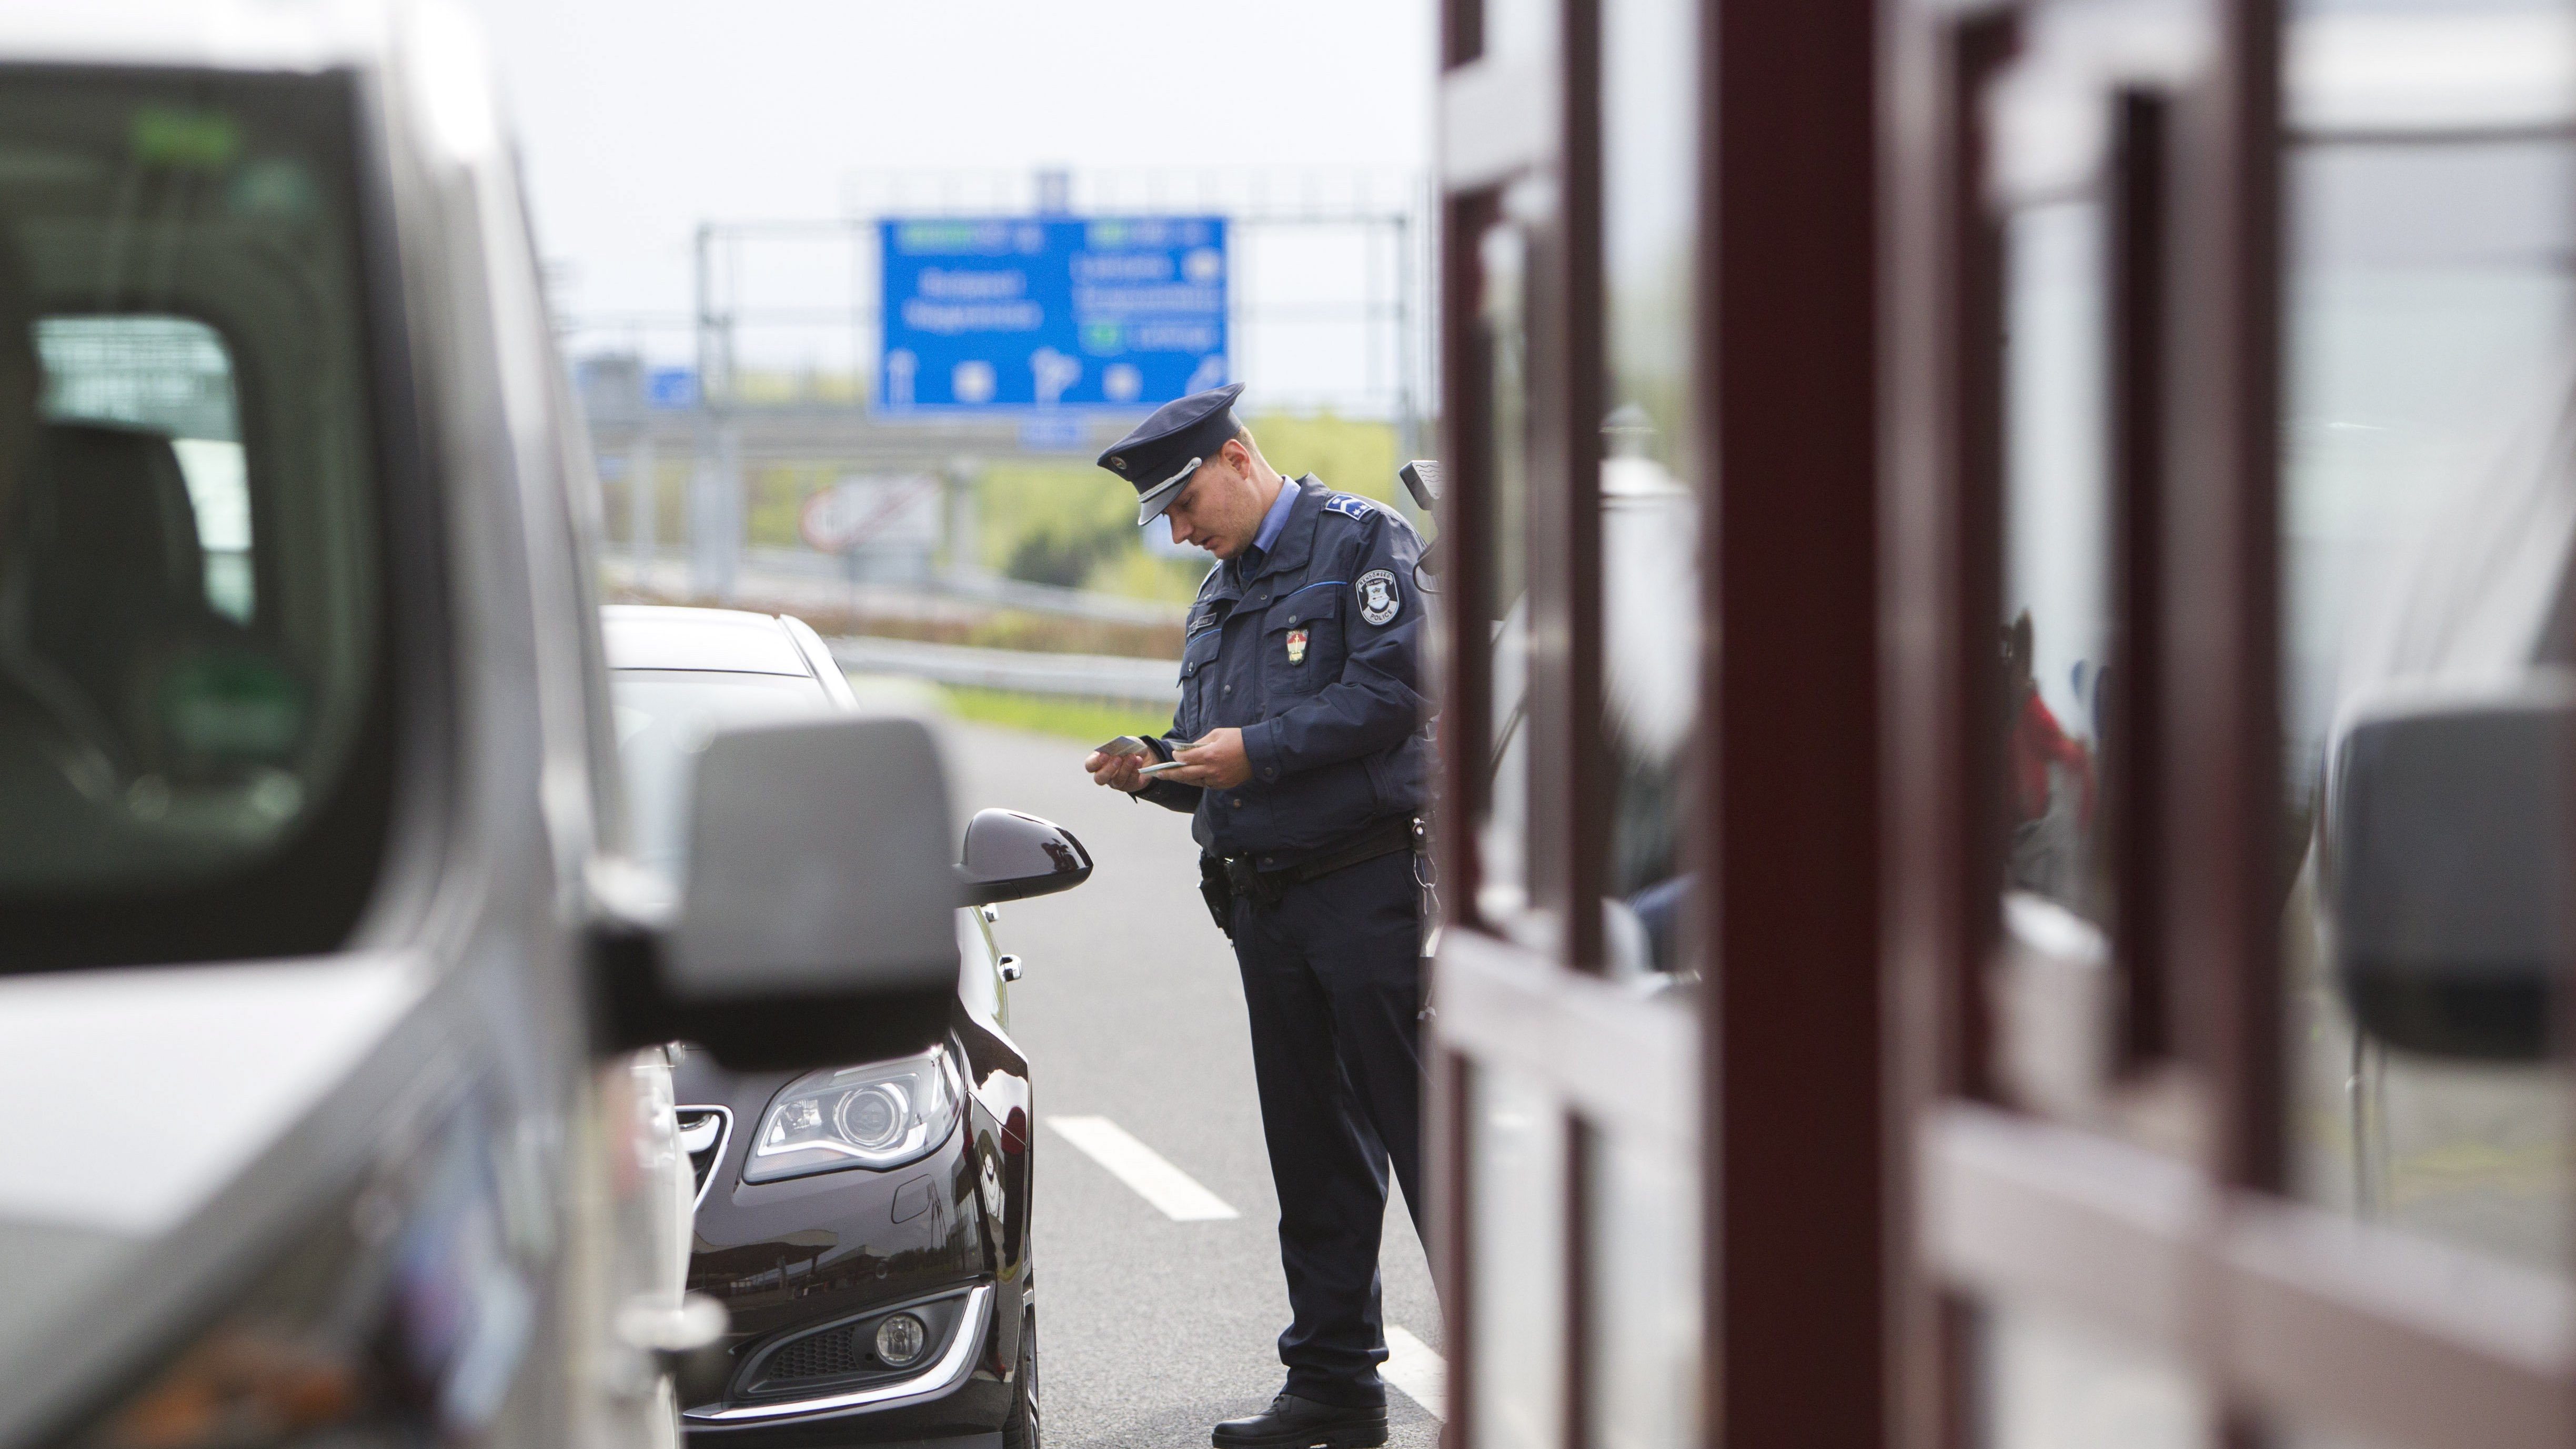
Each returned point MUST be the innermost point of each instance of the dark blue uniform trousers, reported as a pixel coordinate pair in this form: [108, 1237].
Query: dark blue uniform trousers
[1332, 980]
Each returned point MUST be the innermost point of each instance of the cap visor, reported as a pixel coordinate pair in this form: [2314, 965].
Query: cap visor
[1150, 506]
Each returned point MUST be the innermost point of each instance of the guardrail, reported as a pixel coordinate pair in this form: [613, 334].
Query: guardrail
[1068, 603]
[815, 580]
[1091, 676]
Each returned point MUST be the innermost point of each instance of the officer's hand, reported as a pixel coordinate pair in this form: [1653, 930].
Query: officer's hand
[1118, 772]
[1217, 761]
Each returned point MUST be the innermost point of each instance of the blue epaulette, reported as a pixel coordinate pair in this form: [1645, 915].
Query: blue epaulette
[1347, 504]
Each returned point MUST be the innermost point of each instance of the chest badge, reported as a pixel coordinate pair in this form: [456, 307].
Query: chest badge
[1296, 646]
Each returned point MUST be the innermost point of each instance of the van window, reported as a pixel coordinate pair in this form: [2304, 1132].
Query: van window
[195, 722]
[172, 376]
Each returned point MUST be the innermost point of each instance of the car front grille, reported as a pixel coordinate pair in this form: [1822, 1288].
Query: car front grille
[843, 1354]
[819, 1355]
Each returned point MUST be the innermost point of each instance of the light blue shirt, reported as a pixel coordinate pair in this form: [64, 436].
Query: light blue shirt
[1275, 521]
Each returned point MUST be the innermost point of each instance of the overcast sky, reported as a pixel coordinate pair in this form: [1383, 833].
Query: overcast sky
[639, 118]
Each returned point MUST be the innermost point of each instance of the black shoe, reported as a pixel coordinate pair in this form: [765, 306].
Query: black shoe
[1294, 1423]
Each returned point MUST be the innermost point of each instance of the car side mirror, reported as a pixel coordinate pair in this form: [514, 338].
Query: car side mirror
[1011, 856]
[816, 921]
[2448, 861]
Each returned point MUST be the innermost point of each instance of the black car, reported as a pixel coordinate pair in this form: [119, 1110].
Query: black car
[867, 1225]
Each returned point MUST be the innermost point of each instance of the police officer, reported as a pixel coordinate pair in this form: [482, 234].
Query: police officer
[1302, 756]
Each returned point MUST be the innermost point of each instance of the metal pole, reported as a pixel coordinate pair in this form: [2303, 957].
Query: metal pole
[706, 321]
[965, 542]
[1372, 274]
[703, 430]
[715, 512]
[715, 552]
[1238, 299]
[1407, 426]
[644, 502]
[865, 361]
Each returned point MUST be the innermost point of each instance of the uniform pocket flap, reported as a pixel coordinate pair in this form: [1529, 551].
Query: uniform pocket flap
[1201, 649]
[1309, 606]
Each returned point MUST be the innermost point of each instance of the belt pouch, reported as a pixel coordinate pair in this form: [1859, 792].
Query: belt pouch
[1262, 888]
[1217, 889]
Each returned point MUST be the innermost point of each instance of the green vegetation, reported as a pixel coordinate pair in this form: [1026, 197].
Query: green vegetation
[1073, 525]
[1087, 720]
[1141, 575]
[1062, 523]
[1046, 521]
[1350, 456]
[669, 490]
[777, 502]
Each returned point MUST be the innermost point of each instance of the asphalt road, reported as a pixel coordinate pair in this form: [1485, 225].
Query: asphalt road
[1150, 1329]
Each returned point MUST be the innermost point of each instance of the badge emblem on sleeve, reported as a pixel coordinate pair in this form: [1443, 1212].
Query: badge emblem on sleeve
[1296, 646]
[1378, 598]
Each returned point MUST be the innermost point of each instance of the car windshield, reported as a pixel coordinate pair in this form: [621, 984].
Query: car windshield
[665, 718]
[195, 714]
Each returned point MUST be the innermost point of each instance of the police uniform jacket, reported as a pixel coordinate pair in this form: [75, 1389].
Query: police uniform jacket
[1316, 655]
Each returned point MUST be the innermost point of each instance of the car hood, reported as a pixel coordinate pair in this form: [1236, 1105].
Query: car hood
[136, 1097]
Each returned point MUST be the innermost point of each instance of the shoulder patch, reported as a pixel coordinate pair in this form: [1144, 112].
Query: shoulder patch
[1379, 598]
[1344, 503]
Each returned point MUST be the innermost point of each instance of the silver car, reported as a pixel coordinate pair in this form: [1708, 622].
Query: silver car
[330, 998]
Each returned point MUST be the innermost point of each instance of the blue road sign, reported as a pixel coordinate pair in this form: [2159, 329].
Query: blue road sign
[1036, 312]
[669, 388]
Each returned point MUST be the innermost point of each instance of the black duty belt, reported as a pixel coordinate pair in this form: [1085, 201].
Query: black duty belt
[1266, 886]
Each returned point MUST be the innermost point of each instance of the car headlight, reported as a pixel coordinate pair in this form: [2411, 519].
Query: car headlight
[881, 1115]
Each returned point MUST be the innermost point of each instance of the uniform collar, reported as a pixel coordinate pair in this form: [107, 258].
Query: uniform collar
[1295, 538]
[1277, 518]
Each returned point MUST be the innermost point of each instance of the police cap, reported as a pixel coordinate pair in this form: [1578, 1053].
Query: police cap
[1158, 458]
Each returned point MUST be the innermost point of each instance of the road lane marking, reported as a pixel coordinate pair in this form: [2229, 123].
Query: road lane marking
[1174, 1192]
[1412, 1366]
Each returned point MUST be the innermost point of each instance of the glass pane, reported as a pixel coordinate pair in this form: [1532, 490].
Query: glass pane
[1517, 1258]
[172, 376]
[665, 717]
[2049, 1382]
[2427, 518]
[189, 594]
[1646, 1288]
[1503, 321]
[1521, 30]
[1650, 520]
[2058, 1005]
[2056, 632]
